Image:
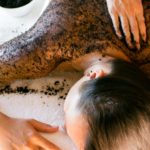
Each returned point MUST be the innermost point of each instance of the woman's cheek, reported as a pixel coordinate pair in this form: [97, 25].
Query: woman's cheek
[69, 126]
[76, 129]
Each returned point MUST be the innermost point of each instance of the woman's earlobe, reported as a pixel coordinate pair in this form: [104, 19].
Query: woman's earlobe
[97, 74]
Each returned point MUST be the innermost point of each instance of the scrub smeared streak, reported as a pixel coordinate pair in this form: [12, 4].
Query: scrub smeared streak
[67, 30]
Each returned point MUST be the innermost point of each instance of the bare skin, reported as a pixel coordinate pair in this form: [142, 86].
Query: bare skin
[131, 15]
[76, 124]
[21, 134]
[26, 65]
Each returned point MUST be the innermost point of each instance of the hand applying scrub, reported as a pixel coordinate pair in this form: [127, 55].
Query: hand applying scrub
[131, 16]
[21, 134]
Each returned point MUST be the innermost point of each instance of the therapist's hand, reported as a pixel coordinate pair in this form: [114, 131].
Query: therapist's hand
[16, 134]
[130, 13]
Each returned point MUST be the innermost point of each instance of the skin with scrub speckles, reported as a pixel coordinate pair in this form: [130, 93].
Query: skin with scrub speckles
[67, 30]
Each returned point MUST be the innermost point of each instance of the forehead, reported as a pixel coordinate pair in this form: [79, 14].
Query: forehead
[74, 94]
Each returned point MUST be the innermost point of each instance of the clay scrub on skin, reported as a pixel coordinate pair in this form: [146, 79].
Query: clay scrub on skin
[13, 3]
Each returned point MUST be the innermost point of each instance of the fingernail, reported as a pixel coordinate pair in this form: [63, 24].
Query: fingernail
[138, 46]
[144, 38]
[119, 36]
[130, 45]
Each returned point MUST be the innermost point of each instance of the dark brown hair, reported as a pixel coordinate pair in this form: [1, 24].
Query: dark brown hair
[117, 108]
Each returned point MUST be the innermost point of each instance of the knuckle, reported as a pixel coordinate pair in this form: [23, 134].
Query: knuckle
[31, 134]
[27, 144]
[131, 14]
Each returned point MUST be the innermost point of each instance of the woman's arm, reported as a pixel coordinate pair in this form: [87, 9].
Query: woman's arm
[130, 14]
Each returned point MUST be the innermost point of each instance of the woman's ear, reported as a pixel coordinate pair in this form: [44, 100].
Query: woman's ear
[97, 74]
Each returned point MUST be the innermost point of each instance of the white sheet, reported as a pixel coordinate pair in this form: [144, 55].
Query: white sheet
[45, 108]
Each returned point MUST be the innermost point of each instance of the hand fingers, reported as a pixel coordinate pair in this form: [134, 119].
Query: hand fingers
[135, 31]
[42, 127]
[132, 19]
[142, 27]
[141, 24]
[126, 29]
[43, 143]
[115, 19]
[141, 20]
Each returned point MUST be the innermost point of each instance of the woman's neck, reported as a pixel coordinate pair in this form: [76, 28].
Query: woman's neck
[85, 62]
[104, 65]
[93, 62]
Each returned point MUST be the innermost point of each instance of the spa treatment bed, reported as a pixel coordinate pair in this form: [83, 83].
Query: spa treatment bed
[44, 47]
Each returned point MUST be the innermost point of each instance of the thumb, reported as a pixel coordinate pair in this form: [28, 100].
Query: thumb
[42, 127]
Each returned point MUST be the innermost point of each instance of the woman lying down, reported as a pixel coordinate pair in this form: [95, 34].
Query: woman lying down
[107, 109]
